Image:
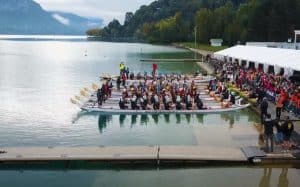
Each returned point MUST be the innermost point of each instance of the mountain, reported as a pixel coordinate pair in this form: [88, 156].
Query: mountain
[28, 17]
[76, 22]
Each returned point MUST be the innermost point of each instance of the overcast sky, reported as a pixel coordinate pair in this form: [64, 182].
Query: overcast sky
[105, 9]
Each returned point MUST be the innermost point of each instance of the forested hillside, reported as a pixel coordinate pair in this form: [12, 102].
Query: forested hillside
[166, 21]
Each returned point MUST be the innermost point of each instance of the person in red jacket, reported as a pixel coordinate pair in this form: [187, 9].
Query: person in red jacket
[154, 69]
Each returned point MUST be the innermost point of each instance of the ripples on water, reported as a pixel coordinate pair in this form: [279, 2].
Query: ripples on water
[37, 78]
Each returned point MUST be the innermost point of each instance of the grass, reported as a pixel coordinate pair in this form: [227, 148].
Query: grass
[205, 47]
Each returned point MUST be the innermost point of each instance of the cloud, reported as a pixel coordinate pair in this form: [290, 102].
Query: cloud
[61, 19]
[105, 9]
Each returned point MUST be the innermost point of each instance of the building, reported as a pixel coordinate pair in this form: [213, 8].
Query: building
[216, 42]
[284, 45]
[270, 60]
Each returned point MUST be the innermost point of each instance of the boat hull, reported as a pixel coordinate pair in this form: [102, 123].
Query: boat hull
[141, 112]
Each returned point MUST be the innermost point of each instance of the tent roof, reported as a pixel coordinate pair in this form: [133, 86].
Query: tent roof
[285, 58]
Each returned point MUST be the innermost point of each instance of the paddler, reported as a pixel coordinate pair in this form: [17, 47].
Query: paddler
[156, 104]
[134, 103]
[122, 68]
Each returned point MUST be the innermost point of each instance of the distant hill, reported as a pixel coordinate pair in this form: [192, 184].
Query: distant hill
[28, 17]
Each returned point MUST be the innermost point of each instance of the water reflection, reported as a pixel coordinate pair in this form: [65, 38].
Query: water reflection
[122, 119]
[283, 178]
[178, 118]
[265, 180]
[133, 120]
[229, 119]
[144, 119]
[103, 120]
[188, 118]
[155, 118]
[167, 118]
[200, 118]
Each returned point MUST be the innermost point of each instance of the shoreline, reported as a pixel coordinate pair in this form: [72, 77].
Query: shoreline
[201, 64]
[296, 134]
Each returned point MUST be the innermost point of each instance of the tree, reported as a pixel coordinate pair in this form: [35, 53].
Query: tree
[231, 20]
[94, 32]
[128, 17]
[222, 18]
[204, 24]
[113, 29]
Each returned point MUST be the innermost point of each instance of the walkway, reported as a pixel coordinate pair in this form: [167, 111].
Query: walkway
[206, 67]
[119, 153]
[155, 155]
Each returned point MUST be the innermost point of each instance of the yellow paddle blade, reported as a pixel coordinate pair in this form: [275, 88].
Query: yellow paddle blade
[83, 93]
[94, 86]
[73, 101]
[77, 97]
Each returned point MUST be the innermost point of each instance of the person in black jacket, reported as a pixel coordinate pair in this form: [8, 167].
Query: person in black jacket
[119, 82]
[263, 109]
[269, 136]
[99, 97]
[287, 130]
[279, 134]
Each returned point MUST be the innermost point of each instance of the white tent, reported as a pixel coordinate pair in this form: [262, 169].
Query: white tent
[288, 59]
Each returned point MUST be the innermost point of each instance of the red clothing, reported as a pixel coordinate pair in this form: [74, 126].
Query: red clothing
[154, 67]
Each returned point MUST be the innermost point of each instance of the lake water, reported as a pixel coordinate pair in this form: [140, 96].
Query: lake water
[37, 80]
[208, 177]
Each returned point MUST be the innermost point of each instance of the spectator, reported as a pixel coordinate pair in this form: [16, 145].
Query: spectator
[263, 109]
[279, 134]
[268, 127]
[288, 128]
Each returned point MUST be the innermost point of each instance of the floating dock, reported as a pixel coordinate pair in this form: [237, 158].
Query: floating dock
[154, 155]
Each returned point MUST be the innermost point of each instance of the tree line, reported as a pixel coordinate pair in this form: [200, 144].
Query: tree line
[167, 21]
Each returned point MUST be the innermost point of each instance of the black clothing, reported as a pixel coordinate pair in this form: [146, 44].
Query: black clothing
[156, 105]
[178, 106]
[189, 105]
[200, 105]
[278, 112]
[232, 99]
[134, 105]
[119, 83]
[287, 129]
[225, 95]
[99, 97]
[268, 125]
[264, 106]
[122, 105]
[279, 127]
[263, 110]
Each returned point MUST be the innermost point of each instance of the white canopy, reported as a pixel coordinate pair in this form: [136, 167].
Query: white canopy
[277, 57]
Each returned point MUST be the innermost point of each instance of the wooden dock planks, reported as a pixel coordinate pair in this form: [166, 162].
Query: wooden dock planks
[116, 153]
[204, 153]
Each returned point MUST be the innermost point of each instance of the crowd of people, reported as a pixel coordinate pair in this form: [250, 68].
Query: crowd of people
[265, 87]
[258, 84]
[162, 91]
